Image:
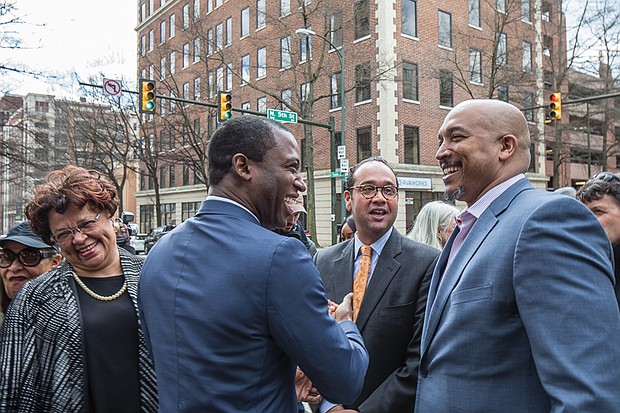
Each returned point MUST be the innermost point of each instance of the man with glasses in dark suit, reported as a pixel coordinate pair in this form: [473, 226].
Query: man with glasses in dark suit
[601, 194]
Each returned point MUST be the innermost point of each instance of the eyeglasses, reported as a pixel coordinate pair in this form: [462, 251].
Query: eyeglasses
[30, 257]
[605, 176]
[65, 235]
[369, 191]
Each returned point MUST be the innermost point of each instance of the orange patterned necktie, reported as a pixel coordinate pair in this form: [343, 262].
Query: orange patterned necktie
[361, 278]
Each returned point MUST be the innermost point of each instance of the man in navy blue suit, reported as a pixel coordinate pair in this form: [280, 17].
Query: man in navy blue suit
[522, 317]
[229, 308]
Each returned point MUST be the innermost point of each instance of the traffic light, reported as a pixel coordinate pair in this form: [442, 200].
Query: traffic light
[147, 96]
[224, 106]
[555, 106]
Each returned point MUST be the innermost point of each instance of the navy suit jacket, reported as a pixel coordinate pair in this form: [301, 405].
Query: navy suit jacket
[390, 317]
[525, 318]
[229, 308]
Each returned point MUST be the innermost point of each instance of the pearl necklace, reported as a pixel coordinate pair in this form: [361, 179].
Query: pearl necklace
[97, 296]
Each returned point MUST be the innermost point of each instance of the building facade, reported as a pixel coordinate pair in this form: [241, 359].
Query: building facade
[406, 64]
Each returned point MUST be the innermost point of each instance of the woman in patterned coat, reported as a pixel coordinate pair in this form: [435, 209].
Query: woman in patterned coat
[71, 340]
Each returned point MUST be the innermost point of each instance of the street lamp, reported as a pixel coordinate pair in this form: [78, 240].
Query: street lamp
[303, 33]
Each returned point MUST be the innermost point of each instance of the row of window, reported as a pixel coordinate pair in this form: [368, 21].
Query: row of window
[167, 213]
[168, 177]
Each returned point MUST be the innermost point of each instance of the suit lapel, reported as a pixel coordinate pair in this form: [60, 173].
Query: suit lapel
[451, 275]
[387, 267]
[342, 271]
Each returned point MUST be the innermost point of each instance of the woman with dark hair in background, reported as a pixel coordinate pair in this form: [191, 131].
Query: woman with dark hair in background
[71, 340]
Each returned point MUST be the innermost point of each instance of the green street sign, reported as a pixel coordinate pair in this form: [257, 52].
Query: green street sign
[282, 116]
[335, 174]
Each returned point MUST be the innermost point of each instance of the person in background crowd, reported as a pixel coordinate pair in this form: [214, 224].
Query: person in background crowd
[123, 236]
[392, 293]
[348, 228]
[246, 305]
[294, 228]
[521, 314]
[434, 224]
[71, 341]
[601, 194]
[23, 256]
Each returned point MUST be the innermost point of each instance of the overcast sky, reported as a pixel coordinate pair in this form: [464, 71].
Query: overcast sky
[67, 37]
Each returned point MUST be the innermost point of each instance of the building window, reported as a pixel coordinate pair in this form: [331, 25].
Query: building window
[502, 92]
[362, 18]
[219, 74]
[445, 29]
[411, 135]
[229, 31]
[245, 69]
[162, 176]
[168, 212]
[209, 6]
[196, 130]
[409, 11]
[501, 6]
[362, 82]
[528, 102]
[147, 215]
[185, 174]
[162, 105]
[185, 16]
[185, 55]
[151, 7]
[142, 12]
[172, 25]
[162, 68]
[172, 181]
[502, 50]
[186, 92]
[229, 76]
[173, 60]
[334, 90]
[547, 45]
[189, 209]
[305, 48]
[197, 89]
[245, 22]
[526, 11]
[285, 7]
[335, 29]
[304, 91]
[260, 14]
[474, 13]
[475, 66]
[445, 88]
[261, 63]
[219, 36]
[546, 11]
[364, 143]
[285, 52]
[218, 3]
[196, 49]
[287, 99]
[410, 81]
[210, 42]
[261, 104]
[211, 81]
[162, 32]
[151, 40]
[527, 57]
[142, 45]
[196, 10]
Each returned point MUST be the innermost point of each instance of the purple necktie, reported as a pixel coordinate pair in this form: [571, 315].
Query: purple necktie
[465, 221]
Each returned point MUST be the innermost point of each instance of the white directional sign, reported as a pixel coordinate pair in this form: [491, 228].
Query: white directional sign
[342, 153]
[344, 166]
[282, 116]
[111, 87]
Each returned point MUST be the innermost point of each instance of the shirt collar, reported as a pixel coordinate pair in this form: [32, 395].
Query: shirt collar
[376, 246]
[230, 201]
[478, 207]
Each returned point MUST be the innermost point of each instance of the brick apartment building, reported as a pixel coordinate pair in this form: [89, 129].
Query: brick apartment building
[406, 63]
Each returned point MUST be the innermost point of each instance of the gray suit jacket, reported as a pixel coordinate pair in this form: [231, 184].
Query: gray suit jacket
[390, 317]
[525, 317]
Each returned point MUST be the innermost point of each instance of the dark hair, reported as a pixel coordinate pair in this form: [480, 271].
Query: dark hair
[595, 189]
[249, 135]
[354, 168]
[71, 185]
[350, 221]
